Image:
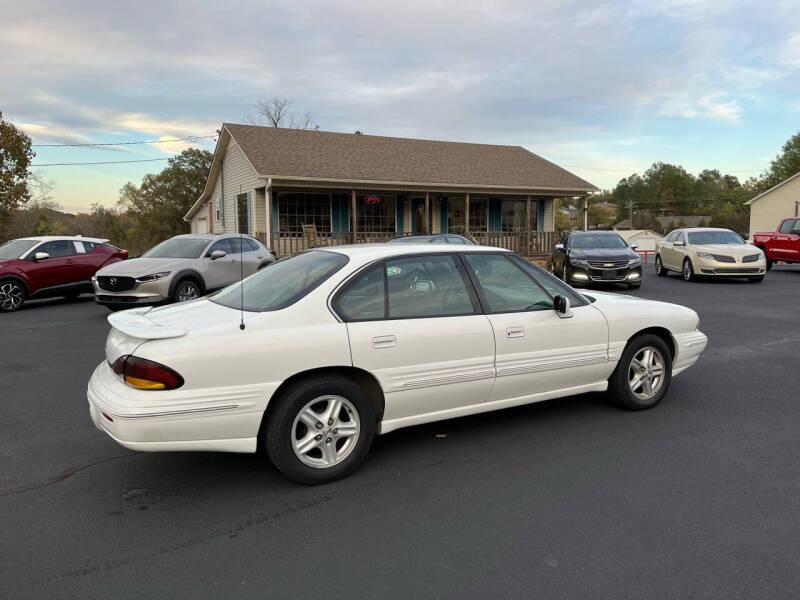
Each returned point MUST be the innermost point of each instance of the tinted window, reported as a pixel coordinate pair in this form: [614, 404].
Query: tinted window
[87, 246]
[282, 283]
[16, 248]
[796, 228]
[177, 248]
[364, 299]
[454, 239]
[58, 249]
[786, 226]
[506, 286]
[426, 286]
[700, 238]
[224, 245]
[250, 245]
[601, 240]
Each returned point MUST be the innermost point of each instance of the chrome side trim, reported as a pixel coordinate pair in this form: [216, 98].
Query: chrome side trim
[418, 383]
[166, 413]
[547, 366]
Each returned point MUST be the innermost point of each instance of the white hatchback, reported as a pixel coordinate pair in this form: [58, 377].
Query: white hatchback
[314, 355]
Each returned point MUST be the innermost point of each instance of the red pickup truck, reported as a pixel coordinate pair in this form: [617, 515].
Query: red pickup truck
[781, 244]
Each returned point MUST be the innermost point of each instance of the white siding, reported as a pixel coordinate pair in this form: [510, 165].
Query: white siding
[239, 178]
[549, 221]
[769, 210]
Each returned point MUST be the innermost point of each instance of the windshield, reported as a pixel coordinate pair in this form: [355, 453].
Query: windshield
[16, 248]
[178, 248]
[597, 241]
[282, 283]
[704, 238]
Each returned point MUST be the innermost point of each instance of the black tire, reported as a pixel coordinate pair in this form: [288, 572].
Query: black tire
[618, 383]
[660, 270]
[185, 290]
[770, 262]
[755, 279]
[278, 432]
[12, 295]
[688, 270]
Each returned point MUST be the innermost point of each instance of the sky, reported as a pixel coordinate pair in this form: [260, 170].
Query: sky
[603, 89]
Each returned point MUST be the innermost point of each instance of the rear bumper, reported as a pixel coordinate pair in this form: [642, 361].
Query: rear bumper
[208, 420]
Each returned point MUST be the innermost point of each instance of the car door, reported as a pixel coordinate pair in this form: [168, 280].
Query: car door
[251, 255]
[58, 269]
[664, 247]
[785, 240]
[220, 272]
[414, 322]
[85, 260]
[537, 350]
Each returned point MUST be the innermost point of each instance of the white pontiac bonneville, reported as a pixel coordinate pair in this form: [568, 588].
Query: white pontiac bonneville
[343, 343]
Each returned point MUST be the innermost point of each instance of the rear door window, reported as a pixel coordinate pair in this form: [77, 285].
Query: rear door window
[427, 286]
[58, 249]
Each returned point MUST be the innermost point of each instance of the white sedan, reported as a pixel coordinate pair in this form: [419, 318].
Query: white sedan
[314, 355]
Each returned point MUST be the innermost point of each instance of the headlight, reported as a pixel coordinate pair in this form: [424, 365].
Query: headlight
[634, 261]
[705, 255]
[578, 262]
[152, 277]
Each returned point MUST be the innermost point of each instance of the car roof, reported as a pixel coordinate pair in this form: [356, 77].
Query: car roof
[210, 236]
[382, 250]
[594, 232]
[693, 229]
[65, 238]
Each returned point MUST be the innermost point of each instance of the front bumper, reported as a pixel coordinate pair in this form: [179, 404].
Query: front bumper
[585, 275]
[688, 348]
[714, 268]
[151, 292]
[209, 420]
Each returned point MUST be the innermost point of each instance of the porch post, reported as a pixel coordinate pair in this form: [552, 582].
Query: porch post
[528, 244]
[353, 213]
[268, 211]
[427, 213]
[585, 202]
[466, 214]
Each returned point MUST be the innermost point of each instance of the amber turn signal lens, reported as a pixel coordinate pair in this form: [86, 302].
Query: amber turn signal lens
[145, 374]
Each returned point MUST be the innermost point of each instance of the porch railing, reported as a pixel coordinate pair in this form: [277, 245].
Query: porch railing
[534, 243]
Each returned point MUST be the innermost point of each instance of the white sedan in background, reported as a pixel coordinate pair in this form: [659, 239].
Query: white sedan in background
[317, 353]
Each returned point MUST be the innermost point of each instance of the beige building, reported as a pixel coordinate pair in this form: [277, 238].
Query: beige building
[277, 184]
[645, 238]
[769, 208]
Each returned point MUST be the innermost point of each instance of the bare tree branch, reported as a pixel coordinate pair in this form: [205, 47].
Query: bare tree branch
[274, 112]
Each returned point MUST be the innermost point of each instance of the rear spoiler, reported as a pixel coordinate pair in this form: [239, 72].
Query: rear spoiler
[135, 324]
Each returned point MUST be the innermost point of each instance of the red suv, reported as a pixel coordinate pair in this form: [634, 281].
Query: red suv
[48, 266]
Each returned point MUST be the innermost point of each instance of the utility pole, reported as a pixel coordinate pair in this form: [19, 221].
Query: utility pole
[630, 214]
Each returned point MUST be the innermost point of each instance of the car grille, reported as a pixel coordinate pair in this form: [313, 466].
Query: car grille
[608, 274]
[608, 264]
[727, 271]
[751, 258]
[116, 284]
[723, 258]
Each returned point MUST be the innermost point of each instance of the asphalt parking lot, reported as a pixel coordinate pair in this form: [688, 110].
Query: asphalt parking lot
[571, 498]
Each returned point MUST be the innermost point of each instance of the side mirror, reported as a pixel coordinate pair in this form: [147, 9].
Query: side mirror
[559, 246]
[634, 246]
[217, 254]
[678, 243]
[41, 256]
[561, 304]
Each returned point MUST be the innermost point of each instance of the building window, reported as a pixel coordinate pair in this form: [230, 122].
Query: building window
[478, 215]
[375, 213]
[512, 215]
[296, 209]
[455, 215]
[218, 210]
[242, 214]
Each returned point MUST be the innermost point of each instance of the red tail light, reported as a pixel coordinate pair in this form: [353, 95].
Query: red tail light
[123, 253]
[145, 374]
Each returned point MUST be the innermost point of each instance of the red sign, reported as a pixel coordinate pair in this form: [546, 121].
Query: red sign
[373, 200]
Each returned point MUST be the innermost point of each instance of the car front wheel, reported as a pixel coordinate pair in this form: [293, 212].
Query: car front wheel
[660, 270]
[12, 295]
[186, 290]
[643, 374]
[688, 270]
[321, 430]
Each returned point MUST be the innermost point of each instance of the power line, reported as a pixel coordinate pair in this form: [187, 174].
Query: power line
[634, 171]
[191, 137]
[107, 162]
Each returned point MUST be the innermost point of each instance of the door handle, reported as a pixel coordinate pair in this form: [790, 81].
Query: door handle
[514, 332]
[384, 341]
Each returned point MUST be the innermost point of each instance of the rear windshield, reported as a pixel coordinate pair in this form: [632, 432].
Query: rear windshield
[177, 248]
[16, 248]
[703, 238]
[282, 283]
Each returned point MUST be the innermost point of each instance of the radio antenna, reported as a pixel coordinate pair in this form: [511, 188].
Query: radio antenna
[241, 280]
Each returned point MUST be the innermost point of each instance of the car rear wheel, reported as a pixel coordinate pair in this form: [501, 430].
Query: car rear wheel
[186, 290]
[12, 295]
[688, 270]
[660, 270]
[643, 374]
[321, 430]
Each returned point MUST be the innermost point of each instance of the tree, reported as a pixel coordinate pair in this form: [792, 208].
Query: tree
[274, 112]
[158, 205]
[15, 161]
[786, 164]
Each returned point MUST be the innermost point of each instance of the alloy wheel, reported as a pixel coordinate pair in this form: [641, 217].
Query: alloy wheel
[646, 373]
[11, 296]
[688, 272]
[325, 431]
[187, 291]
